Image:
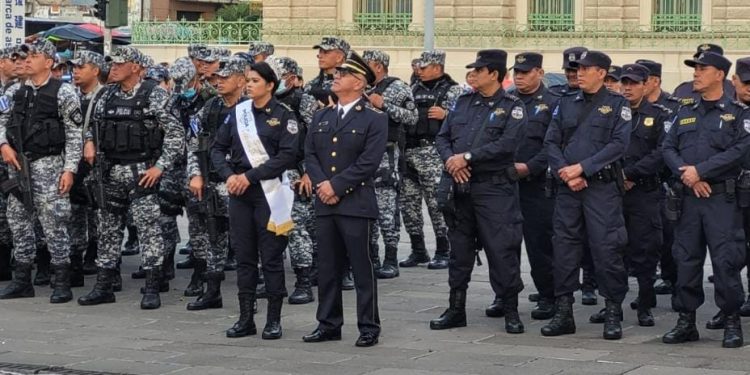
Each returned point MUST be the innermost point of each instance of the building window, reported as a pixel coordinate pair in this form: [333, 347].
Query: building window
[383, 14]
[676, 15]
[551, 15]
[188, 16]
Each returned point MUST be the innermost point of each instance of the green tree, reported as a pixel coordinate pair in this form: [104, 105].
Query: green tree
[240, 12]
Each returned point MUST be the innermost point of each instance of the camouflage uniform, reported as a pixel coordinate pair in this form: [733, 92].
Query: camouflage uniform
[123, 174]
[423, 165]
[260, 48]
[6, 242]
[50, 208]
[399, 105]
[320, 86]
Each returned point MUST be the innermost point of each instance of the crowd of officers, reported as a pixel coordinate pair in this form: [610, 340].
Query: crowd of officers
[607, 174]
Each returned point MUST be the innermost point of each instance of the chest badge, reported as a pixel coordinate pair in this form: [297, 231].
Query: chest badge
[499, 112]
[648, 121]
[273, 122]
[727, 117]
[605, 109]
[540, 107]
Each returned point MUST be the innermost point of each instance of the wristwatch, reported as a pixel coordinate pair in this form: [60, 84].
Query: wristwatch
[467, 156]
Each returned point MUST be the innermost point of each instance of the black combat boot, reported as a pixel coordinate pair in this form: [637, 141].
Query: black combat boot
[211, 299]
[418, 253]
[5, 253]
[138, 274]
[102, 292]
[375, 257]
[131, 247]
[684, 331]
[588, 289]
[612, 327]
[513, 322]
[442, 254]
[195, 288]
[272, 330]
[61, 292]
[187, 249]
[168, 265]
[600, 316]
[302, 288]
[187, 263]
[646, 301]
[733, 337]
[535, 297]
[117, 278]
[455, 315]
[231, 263]
[245, 326]
[662, 287]
[151, 300]
[76, 270]
[89, 259]
[563, 322]
[389, 269]
[718, 321]
[544, 309]
[21, 286]
[495, 309]
[43, 259]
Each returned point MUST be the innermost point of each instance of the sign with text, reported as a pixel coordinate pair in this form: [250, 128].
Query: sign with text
[13, 31]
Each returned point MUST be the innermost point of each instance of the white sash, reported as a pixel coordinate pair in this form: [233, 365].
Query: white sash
[279, 194]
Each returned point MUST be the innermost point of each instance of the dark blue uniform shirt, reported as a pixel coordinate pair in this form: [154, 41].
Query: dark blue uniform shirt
[712, 136]
[600, 138]
[539, 106]
[643, 157]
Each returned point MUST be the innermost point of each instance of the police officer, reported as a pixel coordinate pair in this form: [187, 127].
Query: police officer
[642, 165]
[7, 79]
[83, 223]
[588, 135]
[570, 55]
[477, 142]
[131, 168]
[394, 97]
[260, 50]
[705, 147]
[332, 53]
[531, 165]
[260, 137]
[654, 94]
[302, 241]
[741, 81]
[688, 92]
[434, 94]
[40, 136]
[612, 80]
[344, 147]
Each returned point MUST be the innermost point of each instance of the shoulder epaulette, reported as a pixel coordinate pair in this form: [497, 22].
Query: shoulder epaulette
[663, 108]
[287, 107]
[740, 104]
[511, 96]
[372, 108]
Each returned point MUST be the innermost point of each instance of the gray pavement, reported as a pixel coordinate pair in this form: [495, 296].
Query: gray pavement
[121, 338]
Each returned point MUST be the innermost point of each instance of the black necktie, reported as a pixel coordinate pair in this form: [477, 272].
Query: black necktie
[341, 113]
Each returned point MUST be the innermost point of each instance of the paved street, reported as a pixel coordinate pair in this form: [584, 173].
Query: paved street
[120, 338]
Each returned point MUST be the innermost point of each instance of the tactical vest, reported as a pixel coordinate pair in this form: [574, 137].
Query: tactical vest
[36, 126]
[320, 89]
[394, 128]
[212, 119]
[123, 133]
[424, 98]
[188, 109]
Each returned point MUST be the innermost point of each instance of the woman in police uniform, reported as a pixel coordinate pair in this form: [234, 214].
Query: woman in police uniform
[276, 128]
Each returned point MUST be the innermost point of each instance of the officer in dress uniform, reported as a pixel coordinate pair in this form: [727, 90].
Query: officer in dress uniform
[536, 196]
[40, 135]
[343, 150]
[477, 142]
[687, 92]
[588, 136]
[254, 162]
[706, 147]
[394, 97]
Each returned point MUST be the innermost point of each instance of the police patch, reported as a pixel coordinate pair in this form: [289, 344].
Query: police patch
[540, 107]
[4, 104]
[746, 125]
[410, 106]
[648, 121]
[605, 109]
[517, 113]
[291, 127]
[626, 114]
[667, 126]
[499, 112]
[195, 125]
[76, 117]
[727, 117]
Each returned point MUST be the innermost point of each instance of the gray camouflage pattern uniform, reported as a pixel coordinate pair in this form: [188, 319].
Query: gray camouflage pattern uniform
[302, 241]
[84, 221]
[426, 162]
[122, 180]
[51, 208]
[399, 105]
[6, 239]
